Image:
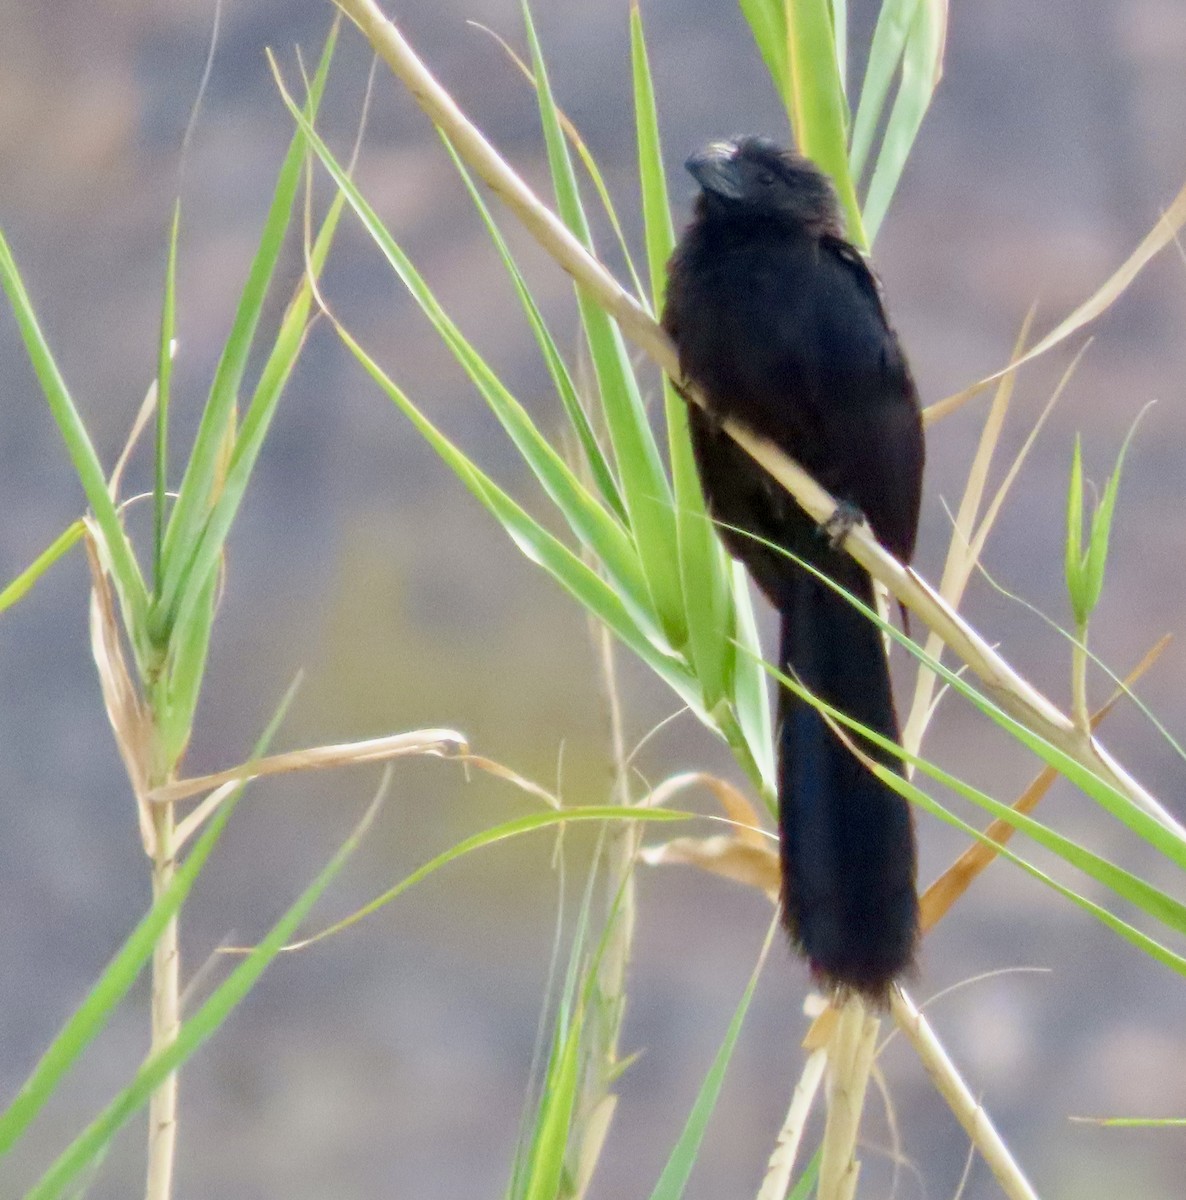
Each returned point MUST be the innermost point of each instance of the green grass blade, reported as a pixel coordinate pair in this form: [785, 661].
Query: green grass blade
[200, 480]
[557, 368]
[816, 102]
[840, 41]
[640, 469]
[656, 207]
[190, 1036]
[112, 987]
[129, 582]
[885, 56]
[545, 1169]
[704, 572]
[175, 698]
[1074, 558]
[683, 1157]
[767, 22]
[164, 375]
[528, 1150]
[593, 525]
[1096, 558]
[751, 691]
[574, 575]
[500, 833]
[20, 587]
[922, 62]
[188, 600]
[1130, 933]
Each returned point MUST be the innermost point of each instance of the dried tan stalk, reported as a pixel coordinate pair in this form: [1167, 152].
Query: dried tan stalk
[777, 1181]
[960, 1100]
[850, 1059]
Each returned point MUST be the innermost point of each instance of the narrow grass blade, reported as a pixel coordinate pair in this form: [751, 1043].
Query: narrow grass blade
[579, 144]
[1130, 933]
[816, 102]
[752, 697]
[489, 837]
[683, 1157]
[922, 64]
[640, 469]
[175, 697]
[840, 40]
[705, 577]
[894, 22]
[566, 389]
[197, 486]
[768, 24]
[594, 593]
[164, 379]
[192, 1033]
[804, 1187]
[545, 1168]
[125, 570]
[20, 587]
[593, 525]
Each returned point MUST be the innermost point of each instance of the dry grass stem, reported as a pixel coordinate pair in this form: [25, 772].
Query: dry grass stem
[165, 1018]
[777, 1181]
[958, 565]
[850, 1059]
[1160, 236]
[960, 1100]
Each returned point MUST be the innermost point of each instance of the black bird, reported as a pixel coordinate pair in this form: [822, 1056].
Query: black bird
[780, 326]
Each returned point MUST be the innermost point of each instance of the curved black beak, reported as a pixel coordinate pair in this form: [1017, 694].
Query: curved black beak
[715, 169]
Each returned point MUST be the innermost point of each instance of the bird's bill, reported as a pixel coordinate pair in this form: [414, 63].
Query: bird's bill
[715, 169]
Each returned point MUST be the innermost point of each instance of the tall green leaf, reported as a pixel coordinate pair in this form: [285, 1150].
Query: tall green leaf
[201, 477]
[640, 469]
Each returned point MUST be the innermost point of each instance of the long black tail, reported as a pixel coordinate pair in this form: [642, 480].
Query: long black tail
[848, 855]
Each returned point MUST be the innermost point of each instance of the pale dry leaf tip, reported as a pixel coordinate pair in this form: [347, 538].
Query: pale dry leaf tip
[1099, 302]
[491, 767]
[728, 857]
[432, 743]
[143, 415]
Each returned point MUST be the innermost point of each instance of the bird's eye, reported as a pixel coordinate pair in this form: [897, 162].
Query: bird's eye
[766, 178]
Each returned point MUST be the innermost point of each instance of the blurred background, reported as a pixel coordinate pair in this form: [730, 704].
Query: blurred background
[392, 1060]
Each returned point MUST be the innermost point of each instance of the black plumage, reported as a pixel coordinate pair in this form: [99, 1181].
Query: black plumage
[780, 326]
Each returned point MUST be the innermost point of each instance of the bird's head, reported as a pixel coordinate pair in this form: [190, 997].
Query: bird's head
[755, 177]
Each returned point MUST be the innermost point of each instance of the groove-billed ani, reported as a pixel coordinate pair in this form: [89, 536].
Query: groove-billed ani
[780, 326]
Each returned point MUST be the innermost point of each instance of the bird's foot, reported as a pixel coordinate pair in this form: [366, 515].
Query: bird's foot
[841, 523]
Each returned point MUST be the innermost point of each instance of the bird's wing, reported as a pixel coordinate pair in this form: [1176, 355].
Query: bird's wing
[868, 405]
